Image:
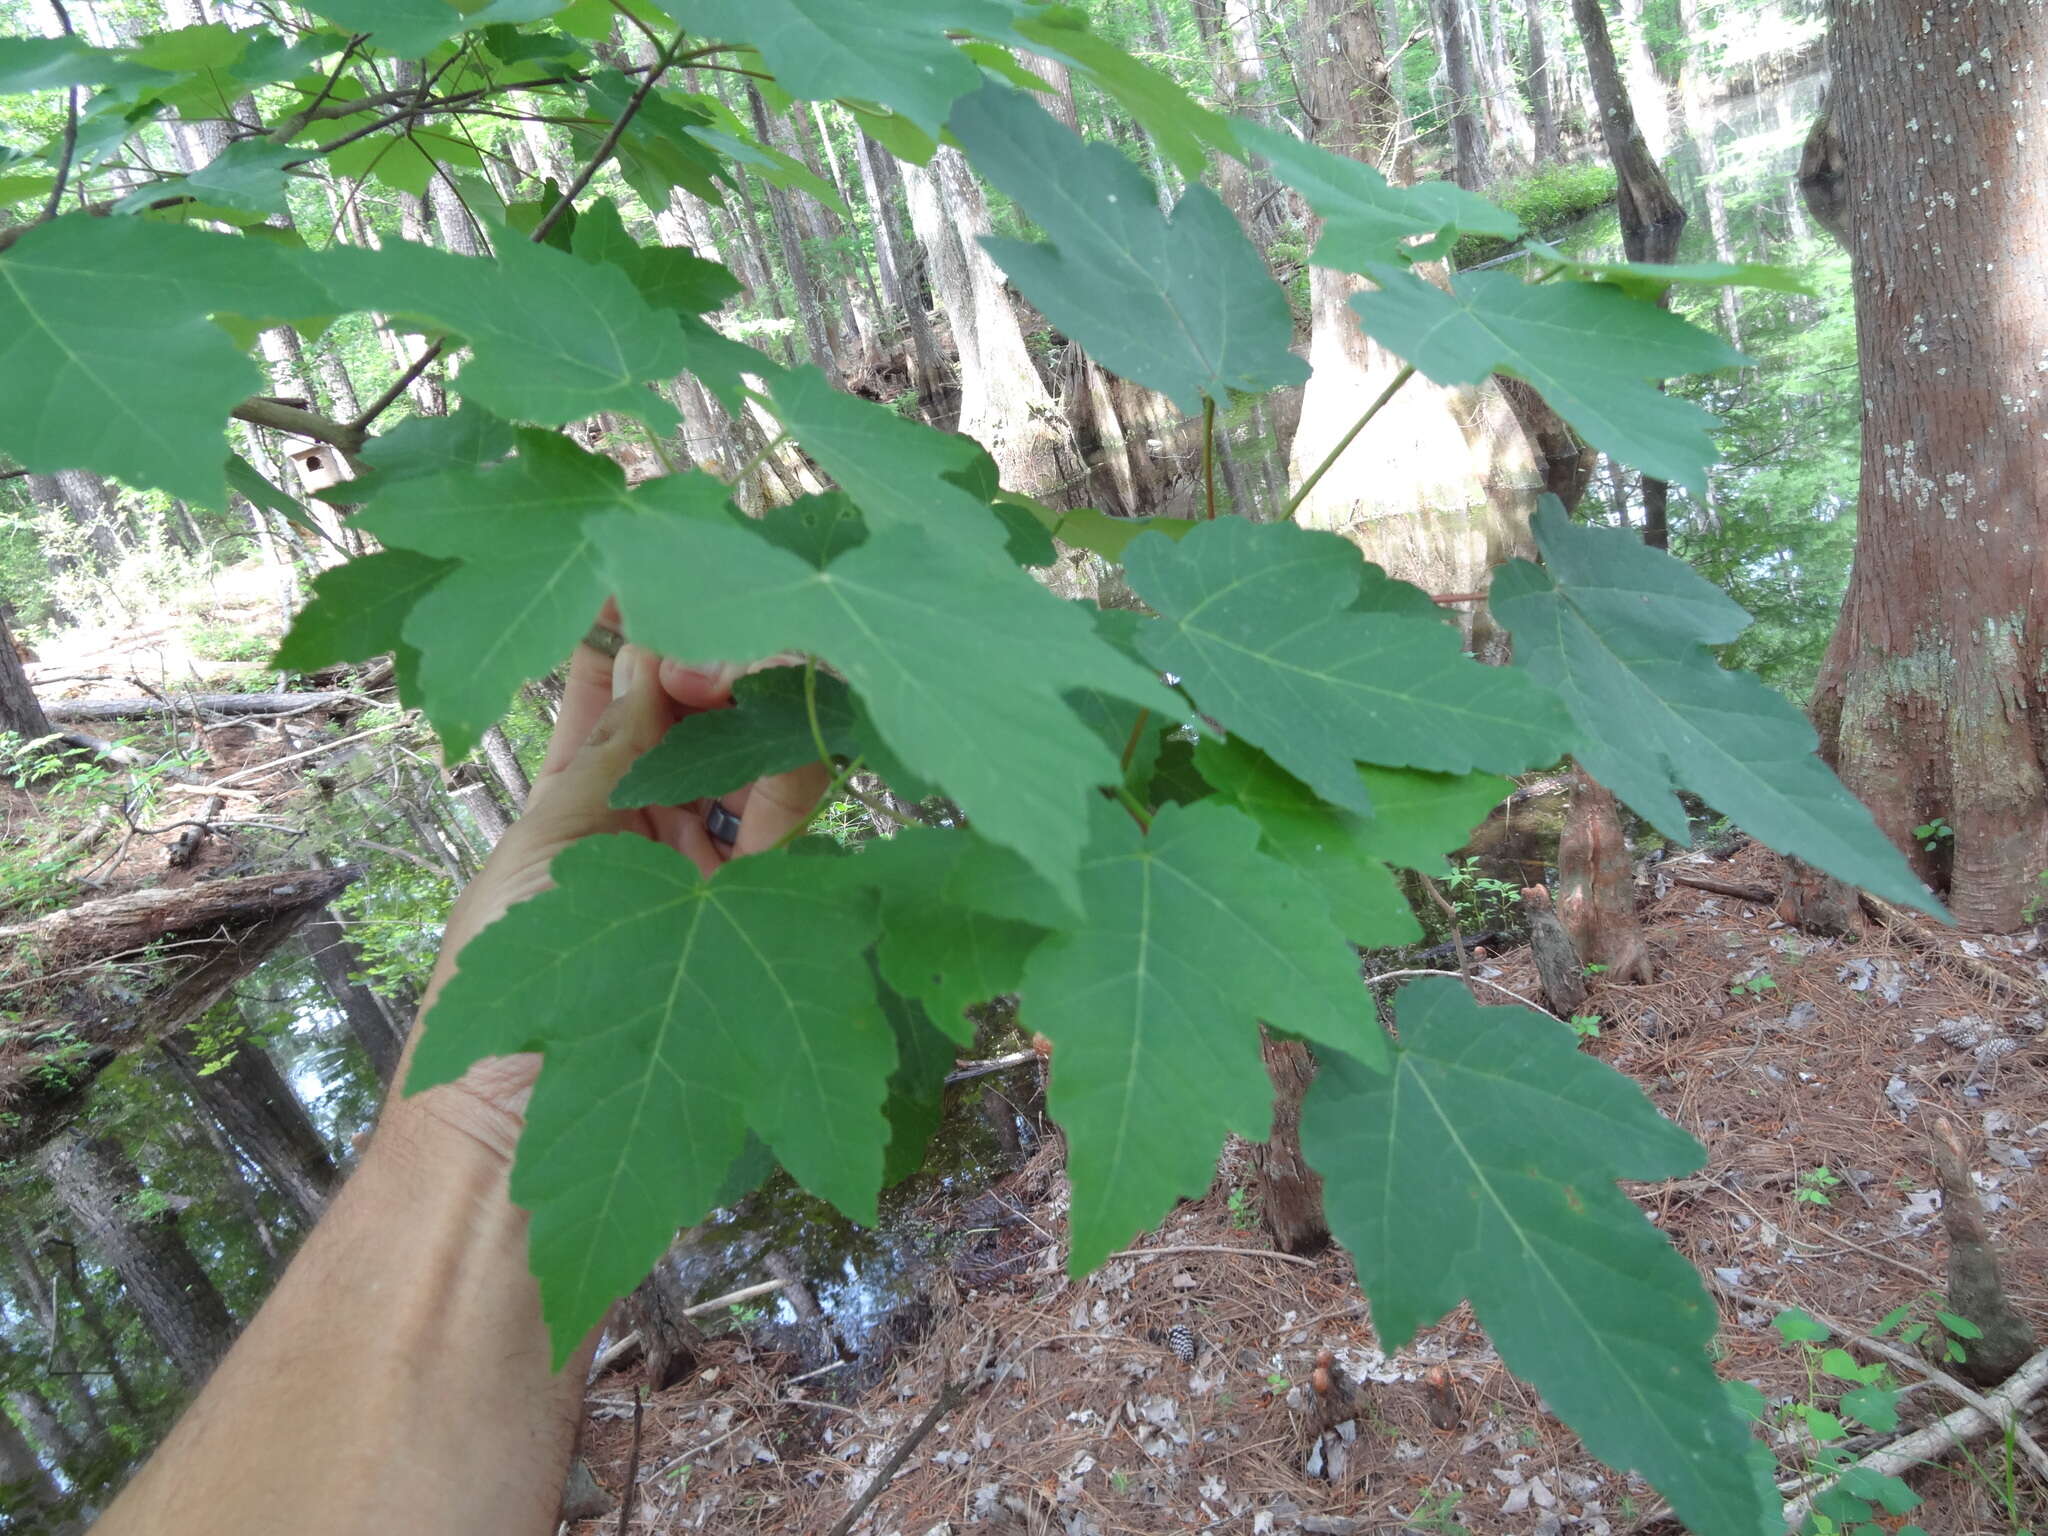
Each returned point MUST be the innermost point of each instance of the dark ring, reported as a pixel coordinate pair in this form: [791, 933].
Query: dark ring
[721, 824]
[604, 640]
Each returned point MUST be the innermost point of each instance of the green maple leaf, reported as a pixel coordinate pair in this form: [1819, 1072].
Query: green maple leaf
[553, 338]
[1621, 632]
[1184, 130]
[1192, 937]
[74, 296]
[1328, 685]
[960, 916]
[52, 63]
[406, 29]
[768, 730]
[676, 1014]
[1181, 304]
[917, 1088]
[1481, 1167]
[1418, 819]
[1649, 279]
[358, 611]
[469, 438]
[247, 176]
[893, 52]
[959, 661]
[1589, 348]
[1326, 844]
[667, 278]
[1366, 219]
[898, 472]
[529, 579]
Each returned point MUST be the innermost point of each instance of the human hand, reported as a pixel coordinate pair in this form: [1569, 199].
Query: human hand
[613, 709]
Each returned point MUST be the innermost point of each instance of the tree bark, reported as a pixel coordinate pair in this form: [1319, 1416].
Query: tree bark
[1823, 174]
[1438, 489]
[25, 1483]
[1471, 168]
[98, 1186]
[1290, 1192]
[878, 180]
[20, 711]
[810, 305]
[75, 1028]
[253, 1102]
[671, 1342]
[1596, 892]
[1652, 218]
[1542, 112]
[379, 1028]
[1933, 697]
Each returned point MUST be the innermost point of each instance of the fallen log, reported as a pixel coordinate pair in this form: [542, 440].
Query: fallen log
[1755, 895]
[105, 977]
[83, 711]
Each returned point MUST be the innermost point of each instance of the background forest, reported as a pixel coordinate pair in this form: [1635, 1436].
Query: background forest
[299, 836]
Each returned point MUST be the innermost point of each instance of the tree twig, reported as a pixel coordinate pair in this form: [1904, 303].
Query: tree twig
[949, 1398]
[632, 1466]
[611, 140]
[1345, 441]
[1242, 1253]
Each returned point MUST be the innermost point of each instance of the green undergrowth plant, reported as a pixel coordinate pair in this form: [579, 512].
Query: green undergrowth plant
[1168, 825]
[1545, 201]
[1843, 1397]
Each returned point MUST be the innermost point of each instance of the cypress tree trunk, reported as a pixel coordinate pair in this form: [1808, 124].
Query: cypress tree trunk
[251, 1101]
[96, 1184]
[1933, 698]
[1542, 111]
[878, 178]
[20, 711]
[810, 306]
[1471, 168]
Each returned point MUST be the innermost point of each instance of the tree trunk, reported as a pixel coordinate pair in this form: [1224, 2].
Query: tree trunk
[1438, 489]
[1596, 889]
[670, 1341]
[1541, 110]
[253, 1102]
[25, 1483]
[380, 1029]
[1823, 175]
[1290, 1192]
[810, 305]
[1652, 218]
[1004, 404]
[99, 1187]
[20, 711]
[1471, 169]
[878, 180]
[40, 1289]
[1933, 697]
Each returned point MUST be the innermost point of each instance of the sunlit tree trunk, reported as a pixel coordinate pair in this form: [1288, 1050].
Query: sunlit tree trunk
[1471, 168]
[1542, 110]
[810, 304]
[878, 178]
[1438, 488]
[1933, 698]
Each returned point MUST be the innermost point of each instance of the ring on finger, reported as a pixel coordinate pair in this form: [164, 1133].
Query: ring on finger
[720, 824]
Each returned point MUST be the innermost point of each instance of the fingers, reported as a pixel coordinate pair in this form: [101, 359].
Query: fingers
[776, 805]
[585, 696]
[575, 797]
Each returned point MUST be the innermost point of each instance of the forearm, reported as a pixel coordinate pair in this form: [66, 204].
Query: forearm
[398, 1377]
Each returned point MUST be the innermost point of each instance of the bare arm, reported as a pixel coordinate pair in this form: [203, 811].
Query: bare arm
[398, 1378]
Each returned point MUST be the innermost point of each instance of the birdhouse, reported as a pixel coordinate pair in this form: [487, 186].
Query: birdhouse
[320, 466]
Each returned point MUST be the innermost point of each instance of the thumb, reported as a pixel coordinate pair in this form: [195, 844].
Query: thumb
[576, 800]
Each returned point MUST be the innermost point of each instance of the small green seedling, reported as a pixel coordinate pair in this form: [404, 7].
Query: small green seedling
[1244, 1209]
[1934, 834]
[1585, 1025]
[1952, 1328]
[1860, 1497]
[1753, 986]
[1814, 1185]
[2035, 902]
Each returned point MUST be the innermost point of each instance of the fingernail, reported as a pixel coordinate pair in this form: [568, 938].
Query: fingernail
[625, 670]
[724, 674]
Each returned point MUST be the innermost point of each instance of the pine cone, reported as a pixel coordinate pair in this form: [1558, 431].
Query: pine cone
[1180, 1338]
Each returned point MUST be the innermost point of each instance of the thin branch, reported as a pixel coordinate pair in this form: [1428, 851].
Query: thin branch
[1345, 441]
[298, 120]
[349, 437]
[1242, 1253]
[1397, 975]
[611, 140]
[56, 199]
[1209, 454]
[404, 381]
[949, 1398]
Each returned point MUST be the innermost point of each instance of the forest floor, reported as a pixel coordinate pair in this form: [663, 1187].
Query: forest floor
[1814, 1094]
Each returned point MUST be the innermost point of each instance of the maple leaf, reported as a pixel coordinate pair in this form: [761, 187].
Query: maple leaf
[1332, 685]
[528, 579]
[1591, 350]
[1621, 632]
[768, 730]
[1182, 304]
[958, 660]
[675, 1014]
[1481, 1167]
[1192, 936]
[76, 293]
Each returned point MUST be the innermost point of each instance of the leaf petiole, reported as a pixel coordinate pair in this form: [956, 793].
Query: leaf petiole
[1209, 454]
[1344, 442]
[1136, 807]
[811, 711]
